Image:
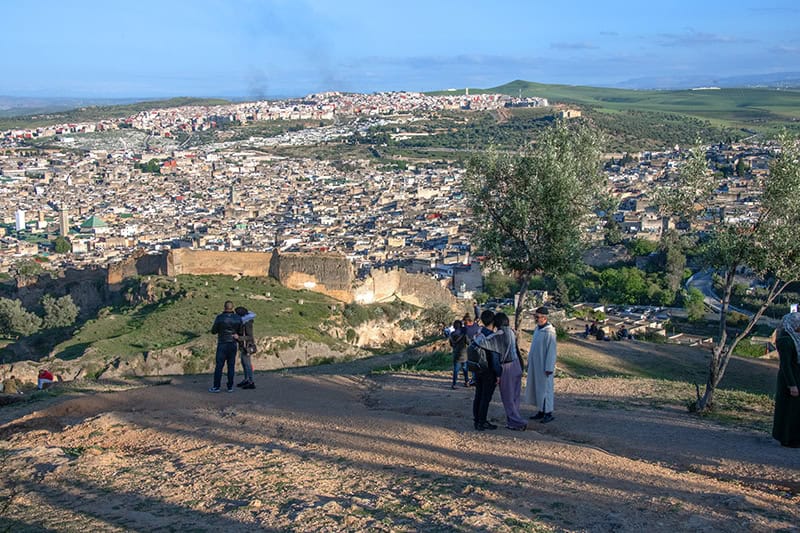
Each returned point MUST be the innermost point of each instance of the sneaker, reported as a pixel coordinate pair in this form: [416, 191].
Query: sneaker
[452, 387]
[489, 425]
[523, 428]
[537, 416]
[213, 389]
[230, 389]
[249, 385]
[548, 417]
[471, 383]
[242, 383]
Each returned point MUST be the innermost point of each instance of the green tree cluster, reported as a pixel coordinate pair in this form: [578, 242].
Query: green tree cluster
[59, 312]
[16, 321]
[531, 209]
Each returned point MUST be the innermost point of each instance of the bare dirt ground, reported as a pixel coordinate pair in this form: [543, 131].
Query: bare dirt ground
[335, 448]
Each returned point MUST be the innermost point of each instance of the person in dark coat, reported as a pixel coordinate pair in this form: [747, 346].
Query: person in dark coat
[786, 423]
[486, 381]
[226, 327]
[458, 341]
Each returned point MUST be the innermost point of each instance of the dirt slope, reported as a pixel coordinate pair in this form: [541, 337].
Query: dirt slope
[330, 449]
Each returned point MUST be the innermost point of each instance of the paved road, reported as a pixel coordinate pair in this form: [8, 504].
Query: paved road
[704, 283]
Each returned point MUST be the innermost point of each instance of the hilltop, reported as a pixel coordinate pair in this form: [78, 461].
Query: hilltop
[376, 444]
[760, 109]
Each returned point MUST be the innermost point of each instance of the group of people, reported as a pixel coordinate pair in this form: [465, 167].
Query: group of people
[504, 367]
[234, 330]
[599, 333]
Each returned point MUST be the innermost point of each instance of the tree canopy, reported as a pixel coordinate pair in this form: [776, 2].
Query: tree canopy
[531, 209]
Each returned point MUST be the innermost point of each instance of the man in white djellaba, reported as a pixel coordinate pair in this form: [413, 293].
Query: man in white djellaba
[542, 367]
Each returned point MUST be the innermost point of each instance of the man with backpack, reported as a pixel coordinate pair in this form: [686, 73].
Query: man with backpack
[487, 369]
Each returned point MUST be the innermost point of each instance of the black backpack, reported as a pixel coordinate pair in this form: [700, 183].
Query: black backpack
[477, 358]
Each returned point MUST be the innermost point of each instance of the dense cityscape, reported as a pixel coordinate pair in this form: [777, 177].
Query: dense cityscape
[112, 199]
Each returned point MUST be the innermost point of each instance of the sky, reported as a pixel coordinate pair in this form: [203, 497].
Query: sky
[274, 48]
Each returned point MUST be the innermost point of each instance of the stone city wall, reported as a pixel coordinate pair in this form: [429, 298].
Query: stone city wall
[415, 289]
[330, 274]
[207, 262]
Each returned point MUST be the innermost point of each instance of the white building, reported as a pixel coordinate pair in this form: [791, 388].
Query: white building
[20, 220]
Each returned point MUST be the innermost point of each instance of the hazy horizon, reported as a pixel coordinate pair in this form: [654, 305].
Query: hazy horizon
[250, 49]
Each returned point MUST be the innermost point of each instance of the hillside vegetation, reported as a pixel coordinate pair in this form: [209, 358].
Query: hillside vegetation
[753, 108]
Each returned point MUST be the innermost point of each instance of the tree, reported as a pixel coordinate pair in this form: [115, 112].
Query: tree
[694, 302]
[672, 260]
[767, 244]
[15, 321]
[531, 209]
[59, 313]
[27, 268]
[498, 285]
[62, 245]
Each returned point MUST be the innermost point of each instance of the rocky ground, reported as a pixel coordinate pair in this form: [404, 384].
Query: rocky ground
[337, 448]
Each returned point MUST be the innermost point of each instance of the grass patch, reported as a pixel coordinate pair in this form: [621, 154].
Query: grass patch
[435, 362]
[186, 310]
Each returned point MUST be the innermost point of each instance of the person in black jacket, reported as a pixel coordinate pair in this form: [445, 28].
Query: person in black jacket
[485, 381]
[226, 327]
[247, 345]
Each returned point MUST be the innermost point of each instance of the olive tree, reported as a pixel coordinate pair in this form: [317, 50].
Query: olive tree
[765, 242]
[16, 321]
[59, 312]
[531, 209]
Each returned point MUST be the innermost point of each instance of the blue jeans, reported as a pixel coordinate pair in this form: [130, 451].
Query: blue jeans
[226, 353]
[463, 368]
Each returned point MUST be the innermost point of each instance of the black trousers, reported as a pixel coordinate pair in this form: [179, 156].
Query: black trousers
[485, 383]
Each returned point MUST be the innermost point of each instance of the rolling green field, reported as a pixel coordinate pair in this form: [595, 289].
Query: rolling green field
[751, 108]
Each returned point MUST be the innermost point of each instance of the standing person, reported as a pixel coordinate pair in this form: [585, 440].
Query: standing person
[472, 329]
[226, 327]
[247, 345]
[485, 381]
[504, 343]
[541, 367]
[458, 341]
[786, 423]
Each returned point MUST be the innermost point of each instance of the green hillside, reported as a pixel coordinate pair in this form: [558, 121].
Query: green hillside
[759, 109]
[92, 113]
[184, 310]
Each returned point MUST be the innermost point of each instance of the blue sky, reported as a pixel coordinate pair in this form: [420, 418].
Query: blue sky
[252, 48]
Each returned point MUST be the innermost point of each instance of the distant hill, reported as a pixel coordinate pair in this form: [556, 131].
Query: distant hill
[97, 112]
[759, 109]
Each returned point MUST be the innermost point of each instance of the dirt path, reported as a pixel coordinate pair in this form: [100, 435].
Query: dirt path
[329, 449]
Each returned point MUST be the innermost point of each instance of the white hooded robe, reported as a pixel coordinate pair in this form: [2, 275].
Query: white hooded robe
[541, 359]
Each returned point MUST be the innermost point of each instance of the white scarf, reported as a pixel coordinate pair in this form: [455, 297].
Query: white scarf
[790, 323]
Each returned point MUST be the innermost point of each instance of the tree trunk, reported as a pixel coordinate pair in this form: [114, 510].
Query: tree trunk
[523, 293]
[722, 351]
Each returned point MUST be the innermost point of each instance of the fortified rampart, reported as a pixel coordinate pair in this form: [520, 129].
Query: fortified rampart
[326, 273]
[207, 262]
[415, 289]
[330, 274]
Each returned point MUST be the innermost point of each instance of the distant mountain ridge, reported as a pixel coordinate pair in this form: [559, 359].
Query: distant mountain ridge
[778, 80]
